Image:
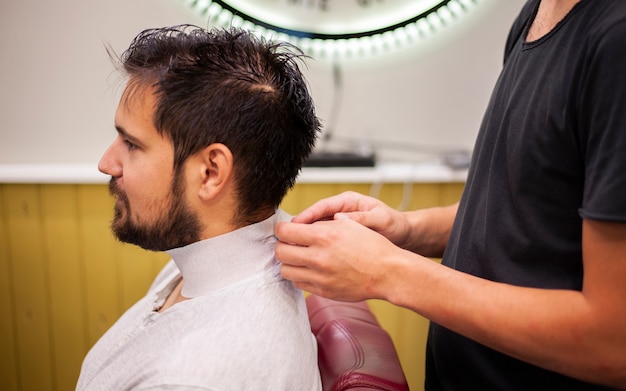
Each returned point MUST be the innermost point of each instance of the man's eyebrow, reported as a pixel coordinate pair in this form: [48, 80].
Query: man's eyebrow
[129, 137]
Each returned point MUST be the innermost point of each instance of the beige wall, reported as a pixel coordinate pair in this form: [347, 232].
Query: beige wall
[59, 91]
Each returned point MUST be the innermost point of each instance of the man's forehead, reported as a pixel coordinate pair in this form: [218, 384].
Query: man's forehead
[135, 111]
[137, 92]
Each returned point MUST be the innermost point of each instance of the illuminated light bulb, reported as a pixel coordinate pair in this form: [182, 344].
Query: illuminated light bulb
[304, 44]
[445, 15]
[412, 32]
[214, 10]
[317, 47]
[352, 46]
[400, 36]
[435, 22]
[455, 8]
[237, 21]
[247, 25]
[466, 3]
[424, 28]
[388, 40]
[224, 18]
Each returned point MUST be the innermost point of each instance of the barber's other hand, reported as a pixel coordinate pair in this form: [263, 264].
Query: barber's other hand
[365, 210]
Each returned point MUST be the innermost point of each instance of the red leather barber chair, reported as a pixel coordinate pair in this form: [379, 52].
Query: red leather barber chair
[354, 352]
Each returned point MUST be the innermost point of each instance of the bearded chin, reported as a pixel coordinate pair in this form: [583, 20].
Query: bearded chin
[175, 226]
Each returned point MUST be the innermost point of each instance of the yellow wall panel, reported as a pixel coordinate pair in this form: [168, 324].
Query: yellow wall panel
[427, 195]
[408, 332]
[8, 328]
[61, 228]
[136, 272]
[451, 193]
[301, 197]
[31, 287]
[103, 295]
[65, 279]
[304, 195]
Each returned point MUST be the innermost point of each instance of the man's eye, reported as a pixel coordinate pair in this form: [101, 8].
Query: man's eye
[130, 145]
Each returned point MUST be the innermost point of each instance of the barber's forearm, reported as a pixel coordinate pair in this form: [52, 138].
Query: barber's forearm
[554, 329]
[429, 230]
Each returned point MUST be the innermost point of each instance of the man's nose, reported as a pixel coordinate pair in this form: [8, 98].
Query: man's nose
[110, 163]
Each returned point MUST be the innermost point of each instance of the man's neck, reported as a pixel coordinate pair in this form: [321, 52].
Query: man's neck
[175, 297]
[550, 13]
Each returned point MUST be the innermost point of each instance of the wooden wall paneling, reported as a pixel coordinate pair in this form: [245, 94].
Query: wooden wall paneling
[390, 193]
[65, 279]
[61, 227]
[408, 332]
[158, 260]
[136, 271]
[407, 329]
[300, 197]
[451, 193]
[8, 323]
[338, 188]
[426, 195]
[31, 287]
[103, 299]
[411, 332]
[304, 195]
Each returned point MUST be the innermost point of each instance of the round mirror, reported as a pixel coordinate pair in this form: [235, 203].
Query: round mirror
[329, 28]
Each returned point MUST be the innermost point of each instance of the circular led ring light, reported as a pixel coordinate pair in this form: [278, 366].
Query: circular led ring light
[337, 28]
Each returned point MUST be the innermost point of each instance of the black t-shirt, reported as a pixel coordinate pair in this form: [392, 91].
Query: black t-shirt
[551, 151]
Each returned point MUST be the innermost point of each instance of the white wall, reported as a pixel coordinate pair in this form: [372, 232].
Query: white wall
[59, 91]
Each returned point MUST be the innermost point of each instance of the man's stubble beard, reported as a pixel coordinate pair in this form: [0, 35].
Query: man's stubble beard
[175, 226]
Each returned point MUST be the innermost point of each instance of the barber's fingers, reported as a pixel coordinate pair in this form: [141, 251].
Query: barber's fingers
[318, 233]
[366, 218]
[294, 255]
[297, 243]
[292, 233]
[302, 277]
[327, 208]
[307, 283]
[317, 281]
[299, 266]
[321, 210]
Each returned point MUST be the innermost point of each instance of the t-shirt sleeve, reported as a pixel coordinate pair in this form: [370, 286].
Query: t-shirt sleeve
[602, 110]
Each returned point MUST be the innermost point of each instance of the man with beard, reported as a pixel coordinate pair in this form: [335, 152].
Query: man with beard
[213, 127]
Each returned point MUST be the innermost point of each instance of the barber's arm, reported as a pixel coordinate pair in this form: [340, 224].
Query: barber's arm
[580, 334]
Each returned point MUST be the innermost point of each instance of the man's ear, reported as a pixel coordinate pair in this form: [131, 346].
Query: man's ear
[217, 167]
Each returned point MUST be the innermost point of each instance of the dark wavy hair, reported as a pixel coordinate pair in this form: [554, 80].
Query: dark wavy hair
[229, 86]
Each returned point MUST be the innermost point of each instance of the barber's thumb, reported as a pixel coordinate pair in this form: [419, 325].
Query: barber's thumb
[355, 216]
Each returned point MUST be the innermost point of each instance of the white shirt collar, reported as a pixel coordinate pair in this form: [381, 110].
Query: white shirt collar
[214, 263]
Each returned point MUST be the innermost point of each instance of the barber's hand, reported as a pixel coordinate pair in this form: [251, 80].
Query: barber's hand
[365, 210]
[339, 259]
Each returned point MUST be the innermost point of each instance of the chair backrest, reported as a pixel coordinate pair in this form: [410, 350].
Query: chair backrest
[354, 352]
